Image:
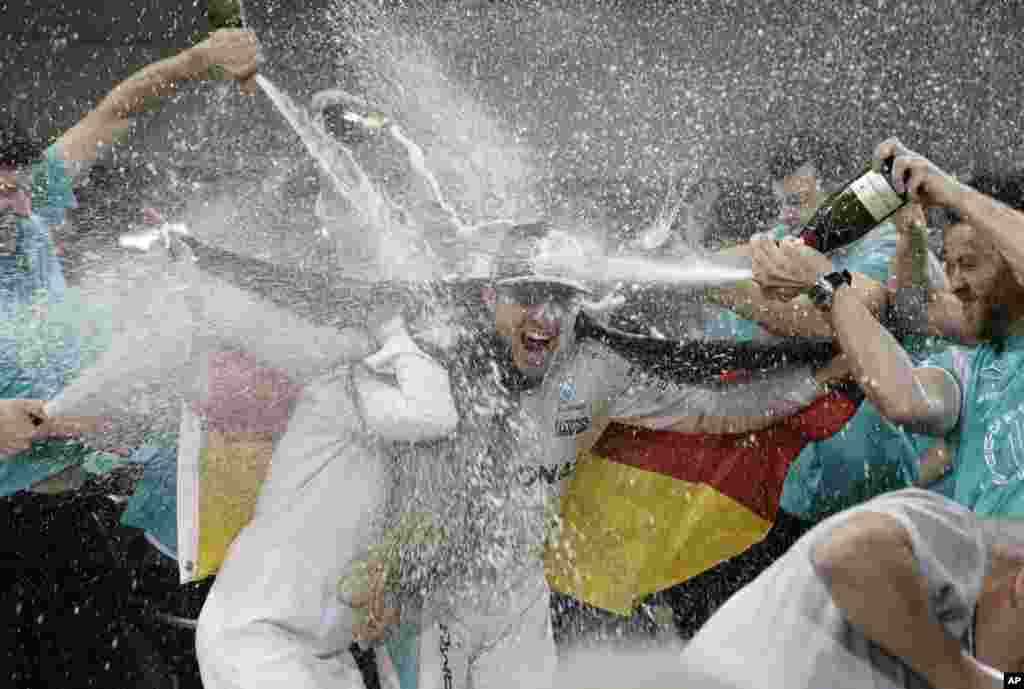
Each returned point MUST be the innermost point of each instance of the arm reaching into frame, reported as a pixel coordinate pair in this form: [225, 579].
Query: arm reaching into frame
[233, 51]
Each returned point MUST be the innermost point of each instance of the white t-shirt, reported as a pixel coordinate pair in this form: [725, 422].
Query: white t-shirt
[783, 631]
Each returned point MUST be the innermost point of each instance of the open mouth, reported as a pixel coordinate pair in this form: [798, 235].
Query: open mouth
[537, 346]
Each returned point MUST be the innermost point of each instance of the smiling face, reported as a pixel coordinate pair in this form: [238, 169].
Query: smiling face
[533, 319]
[979, 277]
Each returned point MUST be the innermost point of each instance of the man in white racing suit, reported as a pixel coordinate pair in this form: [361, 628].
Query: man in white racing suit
[528, 397]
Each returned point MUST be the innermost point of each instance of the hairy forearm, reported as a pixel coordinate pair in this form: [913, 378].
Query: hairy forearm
[110, 120]
[794, 318]
[877, 360]
[869, 566]
[156, 81]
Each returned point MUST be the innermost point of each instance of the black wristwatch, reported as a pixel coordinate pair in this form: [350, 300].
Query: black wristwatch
[824, 289]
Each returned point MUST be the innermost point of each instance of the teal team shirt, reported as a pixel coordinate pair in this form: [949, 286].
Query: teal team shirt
[48, 334]
[988, 441]
[39, 349]
[869, 455]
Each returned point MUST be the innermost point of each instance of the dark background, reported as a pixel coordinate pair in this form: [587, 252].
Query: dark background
[530, 106]
[582, 107]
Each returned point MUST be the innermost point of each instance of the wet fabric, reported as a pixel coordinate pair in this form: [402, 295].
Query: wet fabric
[279, 609]
[153, 506]
[650, 509]
[817, 647]
[273, 615]
[48, 334]
[870, 455]
[867, 457]
[988, 464]
[226, 441]
[39, 353]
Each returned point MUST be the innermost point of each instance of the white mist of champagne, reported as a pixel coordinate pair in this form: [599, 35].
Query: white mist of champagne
[137, 379]
[164, 315]
[395, 249]
[564, 255]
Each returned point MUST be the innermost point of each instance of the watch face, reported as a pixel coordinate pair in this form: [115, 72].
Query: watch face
[821, 295]
[836, 279]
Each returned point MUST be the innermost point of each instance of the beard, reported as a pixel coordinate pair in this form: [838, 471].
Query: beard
[996, 326]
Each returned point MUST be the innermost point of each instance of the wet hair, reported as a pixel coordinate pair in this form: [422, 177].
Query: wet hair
[741, 209]
[16, 147]
[830, 157]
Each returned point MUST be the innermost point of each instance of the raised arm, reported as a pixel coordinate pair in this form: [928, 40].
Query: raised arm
[921, 301]
[232, 50]
[927, 400]
[931, 186]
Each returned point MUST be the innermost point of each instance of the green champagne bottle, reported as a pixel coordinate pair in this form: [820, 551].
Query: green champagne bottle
[854, 210]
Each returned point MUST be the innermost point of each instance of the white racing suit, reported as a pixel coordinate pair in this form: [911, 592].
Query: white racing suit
[274, 616]
[470, 646]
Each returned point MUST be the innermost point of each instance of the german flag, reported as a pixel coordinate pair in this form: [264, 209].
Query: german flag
[647, 510]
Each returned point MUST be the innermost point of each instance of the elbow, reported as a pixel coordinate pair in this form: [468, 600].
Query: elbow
[900, 412]
[896, 405]
[856, 548]
[931, 408]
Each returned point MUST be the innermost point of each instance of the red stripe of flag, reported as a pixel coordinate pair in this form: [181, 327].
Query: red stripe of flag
[749, 467]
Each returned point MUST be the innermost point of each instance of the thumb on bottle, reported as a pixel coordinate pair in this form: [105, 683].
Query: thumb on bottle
[249, 86]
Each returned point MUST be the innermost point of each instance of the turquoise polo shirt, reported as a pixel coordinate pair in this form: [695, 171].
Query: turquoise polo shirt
[48, 334]
[988, 440]
[869, 455]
